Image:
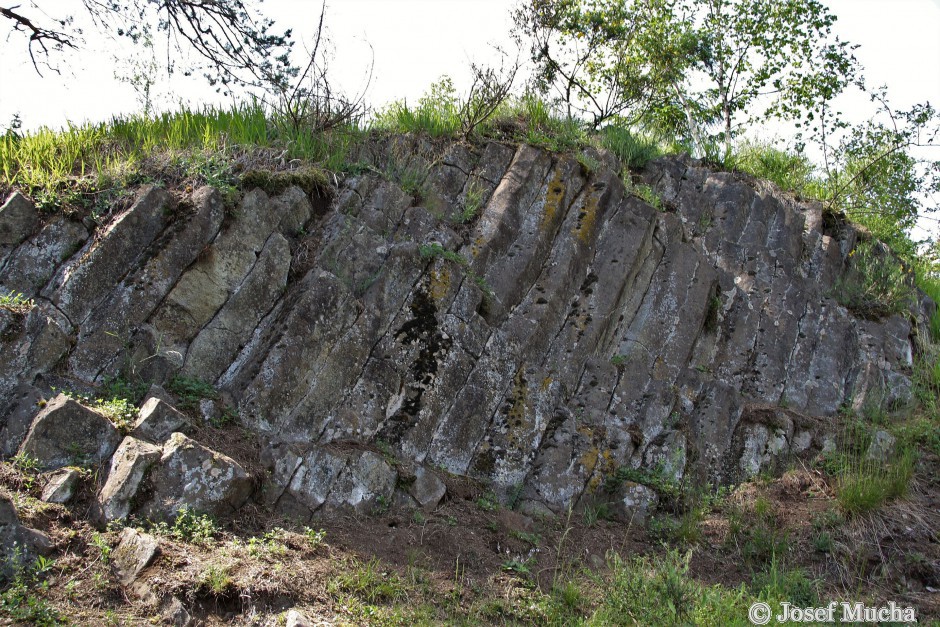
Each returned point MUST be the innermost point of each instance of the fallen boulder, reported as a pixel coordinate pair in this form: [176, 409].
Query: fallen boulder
[65, 433]
[192, 476]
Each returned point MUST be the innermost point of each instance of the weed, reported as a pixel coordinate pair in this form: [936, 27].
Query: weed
[659, 591]
[24, 462]
[369, 582]
[589, 164]
[488, 502]
[189, 526]
[191, 390]
[822, 542]
[315, 537]
[531, 538]
[633, 151]
[712, 314]
[776, 583]
[865, 484]
[21, 601]
[704, 222]
[598, 511]
[789, 171]
[472, 202]
[437, 113]
[649, 195]
[267, 545]
[518, 567]
[104, 549]
[381, 505]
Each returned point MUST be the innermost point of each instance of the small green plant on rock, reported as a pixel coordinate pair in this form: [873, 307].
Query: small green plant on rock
[488, 502]
[191, 390]
[16, 302]
[315, 537]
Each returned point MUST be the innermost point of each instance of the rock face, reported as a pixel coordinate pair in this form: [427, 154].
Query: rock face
[520, 320]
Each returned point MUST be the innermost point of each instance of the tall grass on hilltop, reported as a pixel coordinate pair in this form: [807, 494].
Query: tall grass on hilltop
[790, 171]
[119, 148]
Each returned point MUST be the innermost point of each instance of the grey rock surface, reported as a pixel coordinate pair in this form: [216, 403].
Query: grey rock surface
[129, 467]
[157, 421]
[134, 552]
[561, 330]
[65, 433]
[189, 475]
[61, 486]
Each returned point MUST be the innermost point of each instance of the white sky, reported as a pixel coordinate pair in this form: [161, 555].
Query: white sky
[416, 41]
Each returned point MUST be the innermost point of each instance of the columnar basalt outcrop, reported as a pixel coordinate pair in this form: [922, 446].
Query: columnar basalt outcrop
[511, 316]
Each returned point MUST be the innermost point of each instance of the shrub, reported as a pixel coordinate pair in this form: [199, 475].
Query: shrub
[875, 285]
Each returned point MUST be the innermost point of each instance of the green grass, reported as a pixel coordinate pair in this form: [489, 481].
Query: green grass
[865, 485]
[370, 582]
[633, 150]
[651, 591]
[790, 171]
[191, 390]
[437, 113]
[85, 166]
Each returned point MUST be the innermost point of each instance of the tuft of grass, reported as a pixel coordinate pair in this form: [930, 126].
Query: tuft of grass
[472, 203]
[790, 171]
[369, 582]
[437, 113]
[659, 591]
[16, 302]
[216, 579]
[866, 484]
[648, 195]
[634, 151]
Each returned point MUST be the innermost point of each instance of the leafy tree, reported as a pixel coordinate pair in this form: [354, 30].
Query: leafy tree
[878, 180]
[592, 54]
[684, 65]
[233, 43]
[763, 58]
